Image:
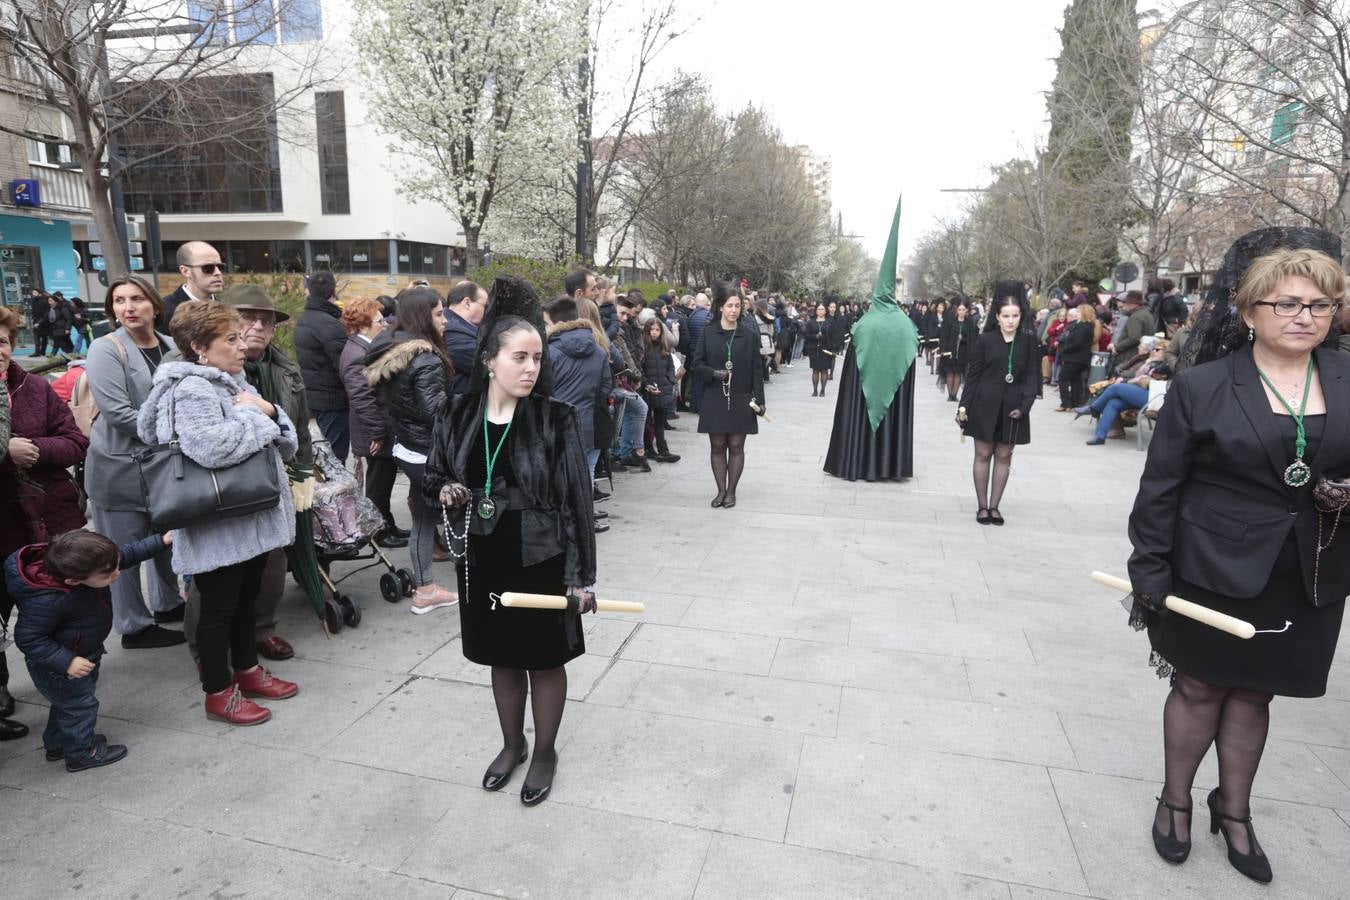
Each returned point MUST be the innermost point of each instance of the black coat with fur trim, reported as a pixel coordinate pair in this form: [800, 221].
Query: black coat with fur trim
[410, 379]
[549, 462]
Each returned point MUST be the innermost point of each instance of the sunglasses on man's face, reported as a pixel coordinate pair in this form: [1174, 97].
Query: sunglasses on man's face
[209, 268]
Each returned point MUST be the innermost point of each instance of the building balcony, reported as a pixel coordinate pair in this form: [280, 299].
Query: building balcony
[62, 190]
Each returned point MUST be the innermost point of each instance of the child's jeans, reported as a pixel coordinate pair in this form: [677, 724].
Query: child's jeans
[74, 712]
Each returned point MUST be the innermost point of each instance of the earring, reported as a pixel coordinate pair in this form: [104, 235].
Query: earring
[491, 374]
[1251, 334]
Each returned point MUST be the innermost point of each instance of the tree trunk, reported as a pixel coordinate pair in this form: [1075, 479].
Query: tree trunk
[100, 207]
[1342, 214]
[473, 259]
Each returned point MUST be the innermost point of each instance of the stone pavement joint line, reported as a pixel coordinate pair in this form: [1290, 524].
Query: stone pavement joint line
[838, 690]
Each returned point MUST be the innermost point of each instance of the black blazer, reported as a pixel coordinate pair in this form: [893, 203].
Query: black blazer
[1076, 344]
[1213, 508]
[747, 375]
[171, 302]
[985, 393]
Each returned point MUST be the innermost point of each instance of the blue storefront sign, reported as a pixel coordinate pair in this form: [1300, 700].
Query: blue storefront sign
[36, 253]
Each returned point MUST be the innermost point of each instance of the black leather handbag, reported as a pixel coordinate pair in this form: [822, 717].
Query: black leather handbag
[178, 491]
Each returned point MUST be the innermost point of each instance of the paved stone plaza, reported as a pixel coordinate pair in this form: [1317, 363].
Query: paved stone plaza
[837, 690]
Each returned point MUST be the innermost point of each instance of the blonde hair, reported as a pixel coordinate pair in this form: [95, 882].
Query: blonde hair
[1087, 313]
[1265, 274]
[590, 314]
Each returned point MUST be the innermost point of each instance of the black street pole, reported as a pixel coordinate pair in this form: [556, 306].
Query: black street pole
[583, 136]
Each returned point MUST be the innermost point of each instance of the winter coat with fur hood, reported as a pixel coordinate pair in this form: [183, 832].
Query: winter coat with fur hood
[549, 462]
[215, 433]
[581, 376]
[409, 377]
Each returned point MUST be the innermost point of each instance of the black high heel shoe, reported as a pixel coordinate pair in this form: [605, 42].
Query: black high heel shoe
[982, 516]
[995, 517]
[533, 796]
[717, 501]
[495, 781]
[1167, 845]
[1254, 864]
[729, 501]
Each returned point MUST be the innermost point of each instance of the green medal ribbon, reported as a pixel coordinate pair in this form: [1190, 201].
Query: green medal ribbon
[486, 507]
[1012, 345]
[1297, 474]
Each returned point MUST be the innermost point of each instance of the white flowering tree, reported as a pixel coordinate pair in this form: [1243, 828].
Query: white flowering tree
[471, 92]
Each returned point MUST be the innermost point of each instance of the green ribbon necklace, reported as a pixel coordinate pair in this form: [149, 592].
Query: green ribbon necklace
[487, 508]
[1297, 474]
[1012, 345]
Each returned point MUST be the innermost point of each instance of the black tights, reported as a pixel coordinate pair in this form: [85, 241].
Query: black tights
[728, 461]
[953, 383]
[989, 488]
[1236, 721]
[548, 691]
[818, 379]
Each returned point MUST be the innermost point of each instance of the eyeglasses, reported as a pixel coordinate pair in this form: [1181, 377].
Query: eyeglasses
[208, 268]
[1288, 309]
[252, 317]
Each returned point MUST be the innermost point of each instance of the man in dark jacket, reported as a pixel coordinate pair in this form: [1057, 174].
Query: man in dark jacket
[581, 373]
[203, 278]
[319, 339]
[37, 319]
[467, 304]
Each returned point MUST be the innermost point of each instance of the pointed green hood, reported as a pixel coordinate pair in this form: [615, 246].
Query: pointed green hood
[884, 339]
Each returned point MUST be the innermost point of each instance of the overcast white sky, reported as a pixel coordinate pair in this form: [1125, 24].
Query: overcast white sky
[902, 96]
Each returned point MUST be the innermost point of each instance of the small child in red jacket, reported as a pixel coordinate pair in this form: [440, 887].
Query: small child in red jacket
[65, 613]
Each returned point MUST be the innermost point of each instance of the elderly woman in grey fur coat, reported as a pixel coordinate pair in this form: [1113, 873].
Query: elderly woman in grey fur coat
[220, 421]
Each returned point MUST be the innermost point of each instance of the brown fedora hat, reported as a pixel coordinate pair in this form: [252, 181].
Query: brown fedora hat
[252, 297]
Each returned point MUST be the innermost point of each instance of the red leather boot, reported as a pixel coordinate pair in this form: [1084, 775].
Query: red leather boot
[231, 706]
[261, 683]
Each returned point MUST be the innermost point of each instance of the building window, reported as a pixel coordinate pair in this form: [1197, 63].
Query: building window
[331, 128]
[240, 173]
[301, 21]
[352, 257]
[421, 259]
[47, 152]
[1284, 123]
[255, 22]
[209, 16]
[263, 256]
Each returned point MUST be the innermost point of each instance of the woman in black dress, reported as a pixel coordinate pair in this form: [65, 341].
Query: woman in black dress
[1001, 383]
[727, 360]
[955, 339]
[816, 334]
[1237, 510]
[509, 467]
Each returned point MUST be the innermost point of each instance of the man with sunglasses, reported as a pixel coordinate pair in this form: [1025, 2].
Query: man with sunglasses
[204, 277]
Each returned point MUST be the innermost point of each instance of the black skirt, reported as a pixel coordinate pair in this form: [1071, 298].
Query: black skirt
[1292, 664]
[715, 418]
[514, 638]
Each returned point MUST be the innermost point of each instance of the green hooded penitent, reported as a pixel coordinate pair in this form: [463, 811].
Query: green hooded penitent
[884, 339]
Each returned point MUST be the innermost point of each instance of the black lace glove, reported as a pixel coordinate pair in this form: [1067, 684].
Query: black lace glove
[1153, 602]
[721, 374]
[455, 495]
[580, 600]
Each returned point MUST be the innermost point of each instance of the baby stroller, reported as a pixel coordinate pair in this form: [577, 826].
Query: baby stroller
[343, 523]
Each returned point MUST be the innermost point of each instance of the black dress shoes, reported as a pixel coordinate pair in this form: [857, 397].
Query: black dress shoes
[6, 702]
[495, 781]
[170, 615]
[154, 636]
[533, 795]
[11, 730]
[390, 539]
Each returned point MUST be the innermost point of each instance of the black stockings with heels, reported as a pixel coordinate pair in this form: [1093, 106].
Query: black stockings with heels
[1236, 721]
[953, 384]
[993, 464]
[728, 461]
